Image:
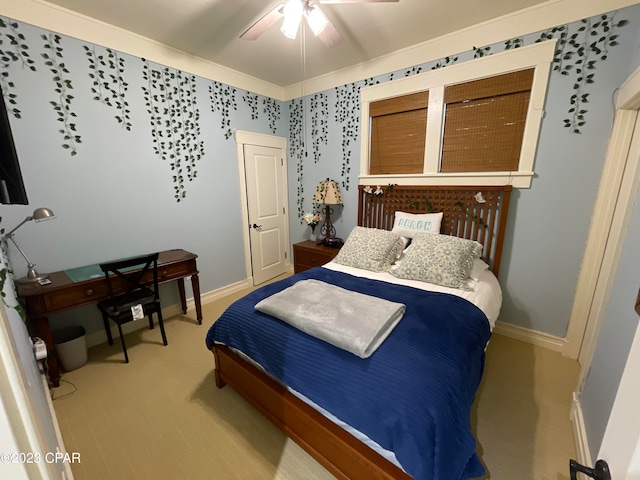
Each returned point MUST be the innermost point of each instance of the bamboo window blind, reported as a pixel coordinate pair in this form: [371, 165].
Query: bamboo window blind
[484, 123]
[398, 133]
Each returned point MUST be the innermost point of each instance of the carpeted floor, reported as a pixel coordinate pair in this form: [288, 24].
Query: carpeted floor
[161, 416]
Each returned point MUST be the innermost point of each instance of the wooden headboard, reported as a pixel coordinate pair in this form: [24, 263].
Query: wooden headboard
[463, 215]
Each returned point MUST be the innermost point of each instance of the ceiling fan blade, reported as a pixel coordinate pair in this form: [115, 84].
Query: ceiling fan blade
[330, 36]
[327, 2]
[263, 24]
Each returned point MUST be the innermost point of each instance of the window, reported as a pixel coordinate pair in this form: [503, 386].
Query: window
[484, 123]
[398, 130]
[470, 123]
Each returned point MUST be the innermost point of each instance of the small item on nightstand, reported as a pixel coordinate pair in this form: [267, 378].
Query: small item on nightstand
[333, 242]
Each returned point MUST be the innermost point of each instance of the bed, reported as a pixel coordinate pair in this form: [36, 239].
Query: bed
[404, 411]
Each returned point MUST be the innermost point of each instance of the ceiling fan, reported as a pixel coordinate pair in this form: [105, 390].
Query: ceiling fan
[293, 11]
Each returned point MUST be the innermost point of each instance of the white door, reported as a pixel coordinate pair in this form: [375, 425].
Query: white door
[267, 211]
[621, 443]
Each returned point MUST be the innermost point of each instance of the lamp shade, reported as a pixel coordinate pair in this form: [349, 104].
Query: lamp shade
[328, 193]
[40, 214]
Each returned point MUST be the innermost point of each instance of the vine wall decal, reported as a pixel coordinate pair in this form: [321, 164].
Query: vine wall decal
[53, 58]
[109, 91]
[513, 43]
[319, 107]
[223, 100]
[272, 109]
[297, 148]
[412, 71]
[348, 115]
[481, 52]
[170, 98]
[17, 50]
[251, 100]
[578, 54]
[5, 273]
[444, 62]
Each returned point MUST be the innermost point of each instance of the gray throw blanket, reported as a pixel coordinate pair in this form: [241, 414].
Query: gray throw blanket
[353, 321]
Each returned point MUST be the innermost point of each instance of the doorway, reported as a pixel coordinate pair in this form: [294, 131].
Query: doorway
[619, 187]
[262, 167]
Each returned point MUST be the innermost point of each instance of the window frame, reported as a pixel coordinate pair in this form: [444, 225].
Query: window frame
[538, 56]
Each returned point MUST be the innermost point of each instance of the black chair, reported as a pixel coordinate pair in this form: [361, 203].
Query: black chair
[127, 289]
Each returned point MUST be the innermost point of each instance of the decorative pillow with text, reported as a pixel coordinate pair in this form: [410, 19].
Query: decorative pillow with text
[408, 224]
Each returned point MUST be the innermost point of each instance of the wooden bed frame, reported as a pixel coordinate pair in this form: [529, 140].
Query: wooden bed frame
[337, 450]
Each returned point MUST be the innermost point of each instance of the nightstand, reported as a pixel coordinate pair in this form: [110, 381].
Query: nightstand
[308, 254]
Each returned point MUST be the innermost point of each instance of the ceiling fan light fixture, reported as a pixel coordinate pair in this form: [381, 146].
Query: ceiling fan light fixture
[316, 19]
[293, 11]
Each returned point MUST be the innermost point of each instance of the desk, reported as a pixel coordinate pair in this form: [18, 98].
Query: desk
[63, 294]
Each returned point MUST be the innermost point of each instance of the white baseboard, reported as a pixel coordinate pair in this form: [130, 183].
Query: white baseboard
[214, 295]
[530, 336]
[580, 432]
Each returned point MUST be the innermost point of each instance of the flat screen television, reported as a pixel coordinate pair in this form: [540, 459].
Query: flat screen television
[11, 185]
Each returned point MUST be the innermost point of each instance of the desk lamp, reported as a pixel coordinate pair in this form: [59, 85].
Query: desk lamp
[328, 193]
[39, 214]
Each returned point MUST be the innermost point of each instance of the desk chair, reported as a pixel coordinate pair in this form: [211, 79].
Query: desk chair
[129, 288]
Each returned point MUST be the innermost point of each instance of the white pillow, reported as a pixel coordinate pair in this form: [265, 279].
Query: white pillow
[408, 224]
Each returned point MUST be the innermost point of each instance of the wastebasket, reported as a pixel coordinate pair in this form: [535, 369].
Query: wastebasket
[71, 346]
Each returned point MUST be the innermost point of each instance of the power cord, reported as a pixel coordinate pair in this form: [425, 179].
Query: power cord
[75, 389]
[51, 391]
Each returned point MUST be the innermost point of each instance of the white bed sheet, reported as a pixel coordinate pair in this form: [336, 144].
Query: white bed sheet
[486, 293]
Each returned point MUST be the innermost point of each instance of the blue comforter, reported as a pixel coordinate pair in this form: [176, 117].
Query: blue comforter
[413, 396]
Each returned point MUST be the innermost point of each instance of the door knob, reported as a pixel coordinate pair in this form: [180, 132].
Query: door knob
[257, 227]
[600, 472]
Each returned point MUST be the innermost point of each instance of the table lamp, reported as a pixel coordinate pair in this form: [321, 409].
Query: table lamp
[328, 193]
[39, 214]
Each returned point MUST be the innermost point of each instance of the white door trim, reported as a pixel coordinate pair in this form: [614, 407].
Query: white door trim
[595, 275]
[624, 150]
[243, 138]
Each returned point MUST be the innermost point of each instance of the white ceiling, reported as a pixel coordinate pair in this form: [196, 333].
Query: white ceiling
[210, 29]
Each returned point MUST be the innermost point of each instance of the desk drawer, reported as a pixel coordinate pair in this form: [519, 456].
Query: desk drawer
[177, 270]
[76, 295]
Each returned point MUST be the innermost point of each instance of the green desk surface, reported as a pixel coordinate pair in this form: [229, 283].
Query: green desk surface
[87, 272]
[80, 274]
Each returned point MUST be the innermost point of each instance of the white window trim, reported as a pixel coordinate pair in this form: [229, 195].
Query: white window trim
[538, 56]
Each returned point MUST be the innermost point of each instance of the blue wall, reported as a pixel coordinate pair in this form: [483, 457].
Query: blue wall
[112, 192]
[549, 222]
[115, 196]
